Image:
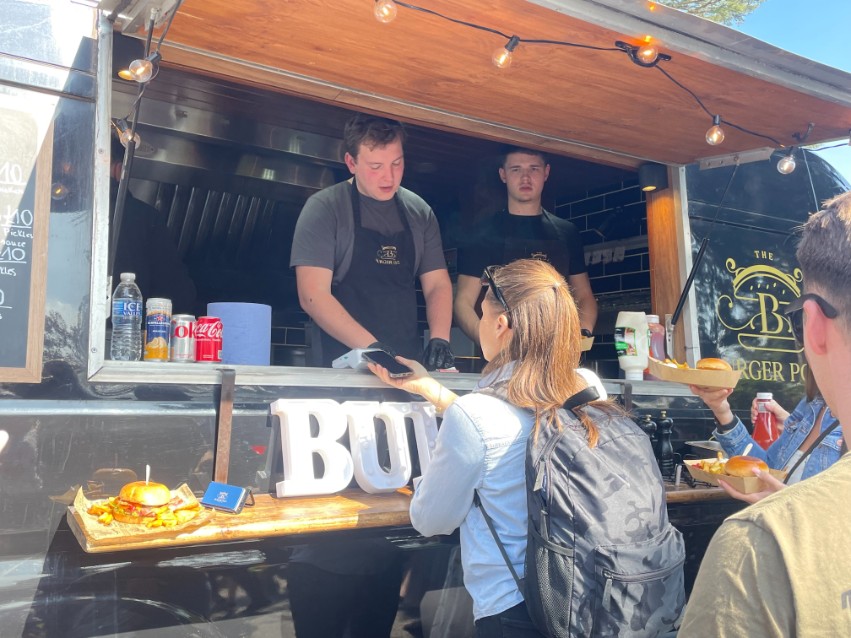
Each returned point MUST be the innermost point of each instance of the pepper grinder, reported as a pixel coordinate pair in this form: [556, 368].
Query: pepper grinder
[649, 426]
[666, 449]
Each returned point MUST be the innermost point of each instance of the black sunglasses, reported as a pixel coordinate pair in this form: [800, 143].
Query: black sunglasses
[795, 313]
[487, 278]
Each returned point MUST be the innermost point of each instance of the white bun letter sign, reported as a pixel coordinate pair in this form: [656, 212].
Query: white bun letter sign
[361, 460]
[298, 447]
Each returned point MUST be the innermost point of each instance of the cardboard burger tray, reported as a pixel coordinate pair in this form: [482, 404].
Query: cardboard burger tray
[93, 534]
[746, 485]
[690, 376]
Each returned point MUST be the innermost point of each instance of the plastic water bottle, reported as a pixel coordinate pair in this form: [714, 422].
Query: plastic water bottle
[126, 342]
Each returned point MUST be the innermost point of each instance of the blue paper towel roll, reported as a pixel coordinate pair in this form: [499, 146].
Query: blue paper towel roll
[246, 332]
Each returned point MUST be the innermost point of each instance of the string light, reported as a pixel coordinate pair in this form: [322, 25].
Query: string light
[646, 55]
[715, 134]
[58, 191]
[787, 163]
[502, 56]
[385, 11]
[145, 69]
[126, 133]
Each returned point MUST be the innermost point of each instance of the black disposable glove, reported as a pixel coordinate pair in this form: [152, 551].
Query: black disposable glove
[437, 355]
[377, 345]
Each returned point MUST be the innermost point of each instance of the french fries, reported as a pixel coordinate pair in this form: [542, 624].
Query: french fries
[165, 516]
[713, 466]
[673, 363]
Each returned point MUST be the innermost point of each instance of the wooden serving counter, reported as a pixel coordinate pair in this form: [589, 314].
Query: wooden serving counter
[278, 517]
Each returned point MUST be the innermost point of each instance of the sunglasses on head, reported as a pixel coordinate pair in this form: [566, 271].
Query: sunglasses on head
[795, 313]
[487, 279]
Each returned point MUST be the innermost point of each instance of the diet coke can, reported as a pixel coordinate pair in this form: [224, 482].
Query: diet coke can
[182, 344]
[208, 340]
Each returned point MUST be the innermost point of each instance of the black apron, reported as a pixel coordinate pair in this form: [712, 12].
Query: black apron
[379, 288]
[552, 250]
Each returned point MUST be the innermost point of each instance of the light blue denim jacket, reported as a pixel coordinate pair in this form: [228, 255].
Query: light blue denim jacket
[481, 446]
[796, 428]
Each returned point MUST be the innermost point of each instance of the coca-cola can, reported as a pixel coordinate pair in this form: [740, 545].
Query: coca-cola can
[208, 340]
[182, 344]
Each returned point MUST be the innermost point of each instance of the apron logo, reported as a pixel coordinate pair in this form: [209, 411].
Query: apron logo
[540, 256]
[387, 256]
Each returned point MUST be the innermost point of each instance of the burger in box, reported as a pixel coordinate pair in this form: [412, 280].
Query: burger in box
[738, 472]
[709, 372]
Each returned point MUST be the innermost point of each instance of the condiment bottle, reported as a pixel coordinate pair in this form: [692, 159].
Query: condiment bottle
[656, 332]
[765, 427]
[632, 344]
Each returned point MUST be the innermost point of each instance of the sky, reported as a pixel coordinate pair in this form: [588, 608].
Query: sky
[814, 29]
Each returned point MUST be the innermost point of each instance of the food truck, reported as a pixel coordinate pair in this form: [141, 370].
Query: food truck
[240, 123]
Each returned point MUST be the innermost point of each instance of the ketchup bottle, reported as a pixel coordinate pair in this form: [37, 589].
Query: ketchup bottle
[765, 427]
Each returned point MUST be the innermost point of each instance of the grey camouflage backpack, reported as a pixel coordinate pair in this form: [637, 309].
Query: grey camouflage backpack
[602, 558]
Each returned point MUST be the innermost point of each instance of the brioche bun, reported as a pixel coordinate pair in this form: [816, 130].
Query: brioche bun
[744, 466]
[712, 363]
[140, 502]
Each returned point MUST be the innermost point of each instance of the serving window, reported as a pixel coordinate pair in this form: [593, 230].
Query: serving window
[222, 172]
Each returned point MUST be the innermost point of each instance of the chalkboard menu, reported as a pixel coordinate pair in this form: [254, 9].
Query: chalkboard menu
[25, 164]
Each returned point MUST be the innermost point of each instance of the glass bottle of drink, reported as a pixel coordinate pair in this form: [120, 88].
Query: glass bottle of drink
[765, 427]
[656, 332]
[126, 343]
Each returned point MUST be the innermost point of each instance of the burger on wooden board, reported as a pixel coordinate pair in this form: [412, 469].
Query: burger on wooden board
[146, 503]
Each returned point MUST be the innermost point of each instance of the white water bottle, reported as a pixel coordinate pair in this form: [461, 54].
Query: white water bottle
[126, 344]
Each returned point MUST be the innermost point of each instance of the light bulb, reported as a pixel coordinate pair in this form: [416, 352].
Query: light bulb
[125, 74]
[787, 163]
[125, 136]
[385, 11]
[58, 191]
[502, 56]
[141, 70]
[715, 134]
[647, 54]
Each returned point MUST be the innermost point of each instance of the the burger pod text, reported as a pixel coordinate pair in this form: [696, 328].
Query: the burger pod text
[360, 459]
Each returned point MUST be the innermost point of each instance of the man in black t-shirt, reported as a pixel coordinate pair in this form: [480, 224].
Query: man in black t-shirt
[524, 230]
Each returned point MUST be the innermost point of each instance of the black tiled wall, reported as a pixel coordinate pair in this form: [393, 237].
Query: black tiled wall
[613, 223]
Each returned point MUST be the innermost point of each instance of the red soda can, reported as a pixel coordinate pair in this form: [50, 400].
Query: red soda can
[208, 340]
[182, 344]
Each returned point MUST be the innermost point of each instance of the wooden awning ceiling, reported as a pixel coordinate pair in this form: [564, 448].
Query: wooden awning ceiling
[578, 102]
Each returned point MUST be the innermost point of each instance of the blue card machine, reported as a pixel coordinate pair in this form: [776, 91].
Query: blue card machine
[227, 498]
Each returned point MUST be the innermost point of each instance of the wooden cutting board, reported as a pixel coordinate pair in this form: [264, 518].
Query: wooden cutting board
[269, 517]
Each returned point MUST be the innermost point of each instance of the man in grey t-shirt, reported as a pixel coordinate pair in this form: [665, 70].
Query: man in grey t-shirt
[358, 248]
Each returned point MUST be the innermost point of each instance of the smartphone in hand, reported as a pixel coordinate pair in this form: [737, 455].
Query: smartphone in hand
[395, 369]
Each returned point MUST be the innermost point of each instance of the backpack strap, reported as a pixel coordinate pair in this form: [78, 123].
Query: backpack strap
[478, 503]
[581, 399]
[573, 404]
